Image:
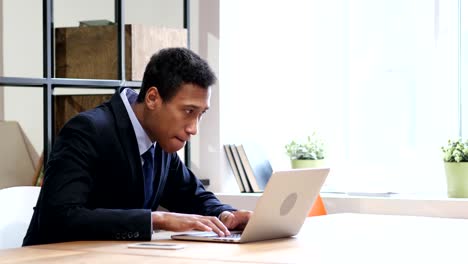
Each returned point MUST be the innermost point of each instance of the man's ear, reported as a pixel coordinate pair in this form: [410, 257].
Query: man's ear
[152, 98]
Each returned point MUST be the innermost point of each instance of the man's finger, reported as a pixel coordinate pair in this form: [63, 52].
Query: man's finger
[219, 227]
[202, 227]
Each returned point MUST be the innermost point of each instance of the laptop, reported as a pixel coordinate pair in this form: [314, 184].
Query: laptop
[280, 212]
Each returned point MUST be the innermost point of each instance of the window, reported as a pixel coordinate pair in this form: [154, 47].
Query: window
[380, 80]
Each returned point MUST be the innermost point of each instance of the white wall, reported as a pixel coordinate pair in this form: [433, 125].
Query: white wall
[252, 82]
[208, 159]
[222, 32]
[22, 57]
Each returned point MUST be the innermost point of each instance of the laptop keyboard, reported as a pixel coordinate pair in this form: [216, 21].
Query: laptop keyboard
[234, 235]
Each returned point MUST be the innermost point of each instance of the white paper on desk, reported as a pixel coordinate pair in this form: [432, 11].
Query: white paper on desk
[152, 245]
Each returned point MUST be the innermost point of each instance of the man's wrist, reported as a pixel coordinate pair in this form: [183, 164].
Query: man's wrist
[156, 220]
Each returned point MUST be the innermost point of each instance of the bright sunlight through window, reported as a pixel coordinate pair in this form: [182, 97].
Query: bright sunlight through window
[380, 80]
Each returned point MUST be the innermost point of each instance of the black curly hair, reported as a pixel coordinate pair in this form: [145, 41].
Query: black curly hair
[170, 68]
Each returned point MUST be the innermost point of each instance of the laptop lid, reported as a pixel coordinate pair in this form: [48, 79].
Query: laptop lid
[281, 210]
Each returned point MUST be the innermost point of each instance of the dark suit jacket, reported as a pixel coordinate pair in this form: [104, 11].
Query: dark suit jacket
[93, 186]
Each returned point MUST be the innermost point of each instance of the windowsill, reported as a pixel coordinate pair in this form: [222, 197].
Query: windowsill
[372, 203]
[390, 195]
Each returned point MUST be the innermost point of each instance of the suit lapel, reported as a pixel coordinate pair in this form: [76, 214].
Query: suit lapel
[128, 141]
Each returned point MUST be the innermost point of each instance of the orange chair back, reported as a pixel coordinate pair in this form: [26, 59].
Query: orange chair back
[318, 208]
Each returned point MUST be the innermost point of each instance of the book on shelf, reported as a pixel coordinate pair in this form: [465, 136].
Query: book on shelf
[235, 170]
[241, 169]
[257, 167]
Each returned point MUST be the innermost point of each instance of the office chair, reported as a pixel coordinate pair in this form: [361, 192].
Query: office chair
[16, 205]
[318, 208]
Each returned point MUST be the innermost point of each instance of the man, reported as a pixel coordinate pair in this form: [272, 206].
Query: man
[113, 166]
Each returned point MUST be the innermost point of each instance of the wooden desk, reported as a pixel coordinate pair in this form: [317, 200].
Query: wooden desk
[351, 238]
[59, 256]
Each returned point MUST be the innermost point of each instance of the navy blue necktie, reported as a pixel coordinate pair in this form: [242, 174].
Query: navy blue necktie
[148, 173]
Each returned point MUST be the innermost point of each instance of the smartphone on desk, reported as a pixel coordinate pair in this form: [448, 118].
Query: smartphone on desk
[151, 245]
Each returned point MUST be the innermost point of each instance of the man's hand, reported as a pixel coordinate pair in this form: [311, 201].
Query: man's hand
[235, 219]
[185, 222]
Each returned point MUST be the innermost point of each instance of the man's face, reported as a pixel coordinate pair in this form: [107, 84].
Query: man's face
[172, 123]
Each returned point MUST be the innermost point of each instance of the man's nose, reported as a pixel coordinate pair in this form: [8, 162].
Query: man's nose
[192, 128]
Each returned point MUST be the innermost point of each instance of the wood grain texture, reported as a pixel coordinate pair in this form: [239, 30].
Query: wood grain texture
[32, 255]
[91, 52]
[87, 52]
[330, 239]
[67, 106]
[147, 40]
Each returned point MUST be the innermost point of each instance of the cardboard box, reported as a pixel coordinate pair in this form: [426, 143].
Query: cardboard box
[18, 159]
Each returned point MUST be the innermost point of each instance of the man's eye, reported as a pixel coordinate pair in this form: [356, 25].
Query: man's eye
[189, 111]
[200, 116]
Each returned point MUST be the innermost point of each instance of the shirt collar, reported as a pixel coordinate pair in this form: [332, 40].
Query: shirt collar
[129, 98]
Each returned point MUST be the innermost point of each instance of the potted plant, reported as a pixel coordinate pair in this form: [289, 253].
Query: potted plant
[308, 154]
[456, 168]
